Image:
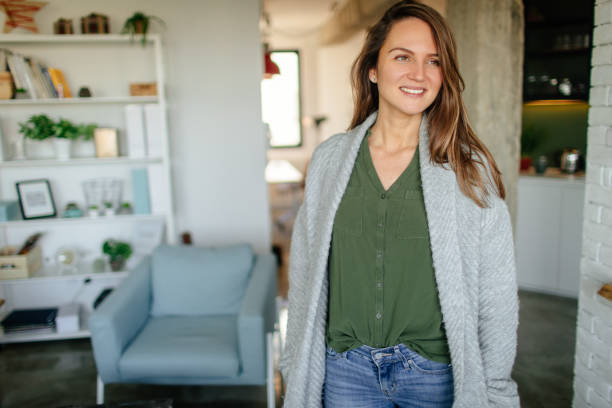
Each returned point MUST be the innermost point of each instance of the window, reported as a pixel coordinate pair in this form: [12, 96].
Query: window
[280, 101]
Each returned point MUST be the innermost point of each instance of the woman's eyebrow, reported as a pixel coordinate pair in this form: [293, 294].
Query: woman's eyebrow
[406, 50]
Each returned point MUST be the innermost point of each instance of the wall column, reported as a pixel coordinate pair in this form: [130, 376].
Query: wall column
[490, 39]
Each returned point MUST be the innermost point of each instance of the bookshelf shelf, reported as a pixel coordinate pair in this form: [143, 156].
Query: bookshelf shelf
[75, 38]
[52, 275]
[88, 161]
[102, 219]
[42, 335]
[72, 101]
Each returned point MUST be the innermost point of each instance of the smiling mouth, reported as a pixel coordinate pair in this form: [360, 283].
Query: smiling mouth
[412, 91]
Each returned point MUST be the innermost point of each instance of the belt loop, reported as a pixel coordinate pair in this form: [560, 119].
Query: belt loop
[401, 355]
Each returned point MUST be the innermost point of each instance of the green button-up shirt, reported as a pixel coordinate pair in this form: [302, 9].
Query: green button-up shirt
[381, 278]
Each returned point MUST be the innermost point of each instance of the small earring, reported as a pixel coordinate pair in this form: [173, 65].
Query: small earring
[373, 78]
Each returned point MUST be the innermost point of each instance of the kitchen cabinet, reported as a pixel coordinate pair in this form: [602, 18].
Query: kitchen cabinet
[557, 49]
[549, 233]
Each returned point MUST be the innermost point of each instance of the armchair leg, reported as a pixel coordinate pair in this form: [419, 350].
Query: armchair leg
[99, 391]
[270, 369]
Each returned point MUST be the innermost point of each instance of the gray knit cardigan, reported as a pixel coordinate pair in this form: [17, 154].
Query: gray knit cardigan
[473, 258]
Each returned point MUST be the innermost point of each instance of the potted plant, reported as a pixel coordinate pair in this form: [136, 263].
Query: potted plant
[63, 132]
[108, 208]
[37, 127]
[125, 208]
[42, 127]
[93, 211]
[21, 93]
[118, 252]
[531, 139]
[139, 23]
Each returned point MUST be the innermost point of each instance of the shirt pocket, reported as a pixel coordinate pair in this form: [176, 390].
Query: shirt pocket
[349, 217]
[412, 222]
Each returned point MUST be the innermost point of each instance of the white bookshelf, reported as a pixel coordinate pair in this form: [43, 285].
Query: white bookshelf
[107, 64]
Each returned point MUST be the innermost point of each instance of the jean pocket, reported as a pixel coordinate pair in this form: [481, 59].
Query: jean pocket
[425, 365]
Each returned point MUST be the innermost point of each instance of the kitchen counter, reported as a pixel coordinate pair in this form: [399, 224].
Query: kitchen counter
[553, 172]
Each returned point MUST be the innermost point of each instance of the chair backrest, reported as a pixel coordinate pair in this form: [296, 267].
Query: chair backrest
[189, 280]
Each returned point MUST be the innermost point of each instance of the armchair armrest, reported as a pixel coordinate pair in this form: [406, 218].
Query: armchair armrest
[257, 316]
[119, 318]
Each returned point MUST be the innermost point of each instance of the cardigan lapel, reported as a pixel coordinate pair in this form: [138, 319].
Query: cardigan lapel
[439, 192]
[337, 172]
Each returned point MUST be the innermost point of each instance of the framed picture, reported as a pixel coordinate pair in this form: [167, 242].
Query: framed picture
[35, 199]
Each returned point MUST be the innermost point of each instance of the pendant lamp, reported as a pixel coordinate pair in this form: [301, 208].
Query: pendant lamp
[270, 67]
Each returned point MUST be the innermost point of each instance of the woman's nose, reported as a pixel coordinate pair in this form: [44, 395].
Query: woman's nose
[417, 71]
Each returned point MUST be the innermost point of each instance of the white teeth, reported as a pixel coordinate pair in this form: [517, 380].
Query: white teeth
[412, 91]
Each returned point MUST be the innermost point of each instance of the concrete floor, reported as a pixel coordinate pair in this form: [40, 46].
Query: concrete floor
[62, 373]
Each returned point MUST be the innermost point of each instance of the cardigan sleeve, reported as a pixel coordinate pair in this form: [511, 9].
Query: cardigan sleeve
[298, 265]
[498, 304]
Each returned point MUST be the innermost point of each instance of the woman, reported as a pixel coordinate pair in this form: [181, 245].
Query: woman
[402, 277]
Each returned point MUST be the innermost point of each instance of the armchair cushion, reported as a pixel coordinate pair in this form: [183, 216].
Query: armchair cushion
[188, 280]
[184, 347]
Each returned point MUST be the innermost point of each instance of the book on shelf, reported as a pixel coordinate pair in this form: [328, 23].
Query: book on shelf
[23, 320]
[38, 80]
[153, 125]
[135, 127]
[3, 55]
[57, 76]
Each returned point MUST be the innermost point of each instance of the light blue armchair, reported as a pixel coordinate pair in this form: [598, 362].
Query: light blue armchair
[189, 315]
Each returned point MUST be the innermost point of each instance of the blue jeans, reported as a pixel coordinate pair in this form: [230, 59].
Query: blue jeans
[385, 377]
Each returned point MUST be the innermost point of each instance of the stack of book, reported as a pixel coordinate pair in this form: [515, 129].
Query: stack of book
[35, 78]
[30, 320]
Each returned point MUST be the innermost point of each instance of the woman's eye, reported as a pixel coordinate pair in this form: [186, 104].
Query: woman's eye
[402, 58]
[435, 62]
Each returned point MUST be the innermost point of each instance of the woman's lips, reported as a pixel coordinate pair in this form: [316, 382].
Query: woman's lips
[412, 90]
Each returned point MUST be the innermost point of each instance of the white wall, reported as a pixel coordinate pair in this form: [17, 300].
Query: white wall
[213, 72]
[326, 89]
[593, 368]
[335, 93]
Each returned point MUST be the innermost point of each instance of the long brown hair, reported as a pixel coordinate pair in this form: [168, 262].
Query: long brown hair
[452, 139]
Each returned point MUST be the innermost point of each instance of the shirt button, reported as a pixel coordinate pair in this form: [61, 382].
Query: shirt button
[378, 253]
[380, 225]
[383, 195]
[379, 285]
[378, 315]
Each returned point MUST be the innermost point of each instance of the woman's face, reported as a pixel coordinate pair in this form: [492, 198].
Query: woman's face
[408, 71]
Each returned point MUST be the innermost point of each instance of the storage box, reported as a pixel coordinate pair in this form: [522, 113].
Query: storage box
[95, 24]
[19, 266]
[143, 89]
[63, 26]
[9, 210]
[67, 319]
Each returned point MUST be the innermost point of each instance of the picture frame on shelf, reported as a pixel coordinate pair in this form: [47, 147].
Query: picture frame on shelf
[35, 199]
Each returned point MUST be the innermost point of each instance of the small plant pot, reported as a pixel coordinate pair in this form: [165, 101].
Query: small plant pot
[62, 148]
[139, 27]
[117, 263]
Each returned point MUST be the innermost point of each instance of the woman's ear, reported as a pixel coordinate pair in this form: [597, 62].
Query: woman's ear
[372, 75]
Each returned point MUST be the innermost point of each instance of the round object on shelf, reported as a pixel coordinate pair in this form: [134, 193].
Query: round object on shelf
[67, 259]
